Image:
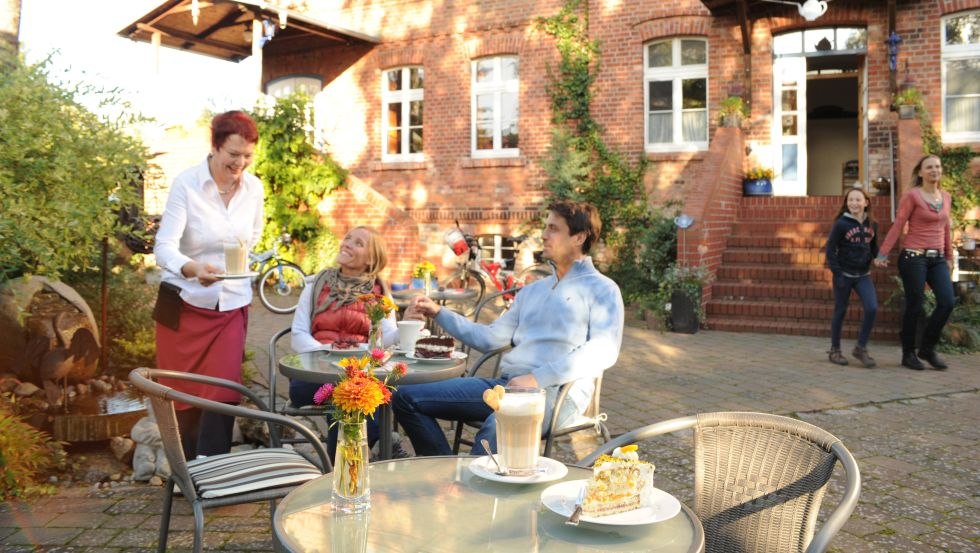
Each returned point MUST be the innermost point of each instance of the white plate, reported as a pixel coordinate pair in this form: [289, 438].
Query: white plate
[552, 470]
[560, 498]
[361, 348]
[454, 356]
[224, 276]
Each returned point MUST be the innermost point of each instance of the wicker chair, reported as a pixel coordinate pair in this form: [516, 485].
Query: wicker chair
[287, 408]
[231, 478]
[759, 480]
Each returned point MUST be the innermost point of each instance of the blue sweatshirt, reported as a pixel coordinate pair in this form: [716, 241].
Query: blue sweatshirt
[560, 330]
[851, 246]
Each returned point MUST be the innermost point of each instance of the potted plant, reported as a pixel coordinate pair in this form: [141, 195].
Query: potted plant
[677, 301]
[757, 182]
[908, 100]
[424, 273]
[731, 111]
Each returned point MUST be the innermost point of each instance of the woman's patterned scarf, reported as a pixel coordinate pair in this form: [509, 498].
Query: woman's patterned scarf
[343, 289]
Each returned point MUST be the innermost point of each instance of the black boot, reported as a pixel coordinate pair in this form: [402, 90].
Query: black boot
[909, 360]
[933, 359]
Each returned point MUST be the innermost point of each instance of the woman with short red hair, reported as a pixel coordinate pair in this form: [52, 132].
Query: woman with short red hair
[201, 314]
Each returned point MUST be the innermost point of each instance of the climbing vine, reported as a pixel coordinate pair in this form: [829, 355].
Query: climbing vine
[958, 179]
[580, 166]
[297, 178]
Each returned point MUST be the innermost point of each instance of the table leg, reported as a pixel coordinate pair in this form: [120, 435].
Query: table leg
[386, 424]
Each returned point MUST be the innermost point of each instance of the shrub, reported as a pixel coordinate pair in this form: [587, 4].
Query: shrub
[687, 280]
[26, 455]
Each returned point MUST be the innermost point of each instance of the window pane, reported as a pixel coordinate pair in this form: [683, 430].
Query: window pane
[963, 77]
[417, 77]
[695, 125]
[789, 125]
[484, 137]
[659, 54]
[395, 114]
[694, 93]
[790, 43]
[962, 115]
[963, 30]
[509, 107]
[415, 141]
[484, 70]
[789, 161]
[509, 68]
[812, 37]
[415, 113]
[789, 100]
[661, 95]
[508, 136]
[849, 38]
[693, 52]
[395, 79]
[394, 141]
[661, 128]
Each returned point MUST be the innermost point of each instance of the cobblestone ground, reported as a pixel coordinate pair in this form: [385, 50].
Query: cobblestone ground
[915, 436]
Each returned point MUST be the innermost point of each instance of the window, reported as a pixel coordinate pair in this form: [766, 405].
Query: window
[401, 106]
[961, 77]
[284, 86]
[495, 107]
[676, 95]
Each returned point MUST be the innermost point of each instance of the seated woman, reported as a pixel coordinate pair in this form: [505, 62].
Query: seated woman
[328, 310]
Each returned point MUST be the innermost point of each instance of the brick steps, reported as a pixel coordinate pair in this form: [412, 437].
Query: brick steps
[773, 278]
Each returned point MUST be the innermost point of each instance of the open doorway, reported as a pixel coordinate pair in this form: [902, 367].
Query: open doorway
[833, 124]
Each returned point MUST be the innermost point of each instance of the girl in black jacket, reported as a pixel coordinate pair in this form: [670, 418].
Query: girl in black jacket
[851, 246]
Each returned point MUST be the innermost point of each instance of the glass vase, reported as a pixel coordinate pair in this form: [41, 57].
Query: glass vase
[375, 339]
[427, 283]
[351, 490]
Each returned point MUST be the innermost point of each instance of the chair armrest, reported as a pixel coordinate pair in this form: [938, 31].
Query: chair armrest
[484, 359]
[143, 379]
[840, 514]
[640, 434]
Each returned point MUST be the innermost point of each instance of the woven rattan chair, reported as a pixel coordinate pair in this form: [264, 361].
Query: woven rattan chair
[284, 406]
[759, 480]
[230, 478]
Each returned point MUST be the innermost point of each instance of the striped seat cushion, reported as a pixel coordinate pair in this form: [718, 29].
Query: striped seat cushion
[246, 471]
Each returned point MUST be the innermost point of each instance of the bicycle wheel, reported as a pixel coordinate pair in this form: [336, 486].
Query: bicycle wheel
[533, 272]
[280, 287]
[469, 280]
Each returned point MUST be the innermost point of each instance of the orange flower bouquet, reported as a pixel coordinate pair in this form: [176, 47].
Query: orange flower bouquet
[356, 396]
[378, 307]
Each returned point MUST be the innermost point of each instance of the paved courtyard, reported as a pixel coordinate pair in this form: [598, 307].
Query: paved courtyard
[915, 436]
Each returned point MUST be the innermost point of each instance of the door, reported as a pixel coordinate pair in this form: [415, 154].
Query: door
[789, 126]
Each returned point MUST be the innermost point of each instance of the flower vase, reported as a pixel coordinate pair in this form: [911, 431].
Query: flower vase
[351, 490]
[427, 282]
[375, 338]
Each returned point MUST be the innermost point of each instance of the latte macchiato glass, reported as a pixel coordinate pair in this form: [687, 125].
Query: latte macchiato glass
[236, 254]
[519, 420]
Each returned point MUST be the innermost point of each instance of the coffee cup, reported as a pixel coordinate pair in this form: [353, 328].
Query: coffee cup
[520, 415]
[408, 334]
[236, 254]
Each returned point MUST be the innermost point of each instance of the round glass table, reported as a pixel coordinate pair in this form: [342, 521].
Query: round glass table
[320, 367]
[435, 504]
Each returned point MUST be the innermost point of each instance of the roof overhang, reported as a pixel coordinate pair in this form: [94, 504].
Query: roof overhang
[221, 28]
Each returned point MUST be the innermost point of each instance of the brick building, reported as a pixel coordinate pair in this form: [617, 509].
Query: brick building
[439, 111]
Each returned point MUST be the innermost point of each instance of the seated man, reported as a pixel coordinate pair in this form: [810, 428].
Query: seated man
[567, 327]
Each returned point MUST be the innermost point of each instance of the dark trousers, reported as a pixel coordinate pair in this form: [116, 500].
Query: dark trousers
[842, 294]
[301, 393]
[916, 271]
[204, 432]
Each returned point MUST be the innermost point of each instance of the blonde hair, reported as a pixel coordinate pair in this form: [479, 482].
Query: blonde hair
[916, 178]
[377, 256]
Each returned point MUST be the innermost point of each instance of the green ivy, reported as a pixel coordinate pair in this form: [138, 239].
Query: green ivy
[63, 170]
[957, 179]
[580, 166]
[297, 177]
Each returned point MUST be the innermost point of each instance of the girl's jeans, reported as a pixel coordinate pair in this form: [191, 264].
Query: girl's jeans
[916, 270]
[842, 294]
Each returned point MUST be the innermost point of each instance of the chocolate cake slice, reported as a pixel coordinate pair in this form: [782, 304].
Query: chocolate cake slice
[435, 347]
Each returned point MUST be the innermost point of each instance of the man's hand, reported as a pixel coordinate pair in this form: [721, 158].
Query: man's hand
[523, 381]
[421, 307]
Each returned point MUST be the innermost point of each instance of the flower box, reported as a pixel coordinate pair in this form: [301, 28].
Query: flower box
[757, 187]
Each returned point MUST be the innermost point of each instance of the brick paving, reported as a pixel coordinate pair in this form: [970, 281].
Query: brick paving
[915, 436]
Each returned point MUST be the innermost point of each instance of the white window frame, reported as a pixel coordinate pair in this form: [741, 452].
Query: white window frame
[405, 96]
[955, 53]
[676, 73]
[497, 87]
[311, 85]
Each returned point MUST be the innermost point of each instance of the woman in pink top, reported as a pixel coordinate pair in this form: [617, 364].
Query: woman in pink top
[926, 251]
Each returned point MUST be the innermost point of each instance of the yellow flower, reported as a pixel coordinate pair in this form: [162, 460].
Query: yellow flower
[423, 269]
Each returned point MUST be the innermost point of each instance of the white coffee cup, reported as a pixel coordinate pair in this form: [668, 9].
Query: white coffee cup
[408, 333]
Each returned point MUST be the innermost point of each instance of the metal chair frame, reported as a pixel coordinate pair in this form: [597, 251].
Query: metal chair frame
[288, 409]
[759, 479]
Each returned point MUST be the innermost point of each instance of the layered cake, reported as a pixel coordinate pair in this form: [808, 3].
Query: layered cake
[620, 482]
[434, 347]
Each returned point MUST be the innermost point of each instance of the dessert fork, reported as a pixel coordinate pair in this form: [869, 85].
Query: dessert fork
[573, 518]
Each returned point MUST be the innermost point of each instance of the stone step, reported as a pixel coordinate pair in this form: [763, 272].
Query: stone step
[811, 310]
[732, 290]
[811, 256]
[884, 333]
[783, 274]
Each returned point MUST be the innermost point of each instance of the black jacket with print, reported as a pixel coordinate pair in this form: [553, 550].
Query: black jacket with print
[852, 245]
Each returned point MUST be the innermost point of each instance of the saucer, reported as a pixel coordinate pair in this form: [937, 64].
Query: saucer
[550, 470]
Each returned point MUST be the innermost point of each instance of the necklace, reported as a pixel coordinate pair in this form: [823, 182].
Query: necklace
[228, 190]
[933, 200]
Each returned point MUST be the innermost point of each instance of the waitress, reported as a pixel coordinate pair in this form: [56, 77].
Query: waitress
[214, 202]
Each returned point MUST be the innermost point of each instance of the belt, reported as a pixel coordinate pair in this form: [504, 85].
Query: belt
[926, 253]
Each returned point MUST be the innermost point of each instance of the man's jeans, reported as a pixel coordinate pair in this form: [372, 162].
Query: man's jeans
[417, 406]
[916, 271]
[842, 295]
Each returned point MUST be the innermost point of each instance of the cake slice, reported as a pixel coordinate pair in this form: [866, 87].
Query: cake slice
[620, 482]
[435, 347]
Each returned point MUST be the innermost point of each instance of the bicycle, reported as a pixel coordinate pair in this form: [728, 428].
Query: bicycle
[474, 273]
[279, 282]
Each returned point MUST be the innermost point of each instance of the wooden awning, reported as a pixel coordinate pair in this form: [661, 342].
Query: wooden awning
[223, 28]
